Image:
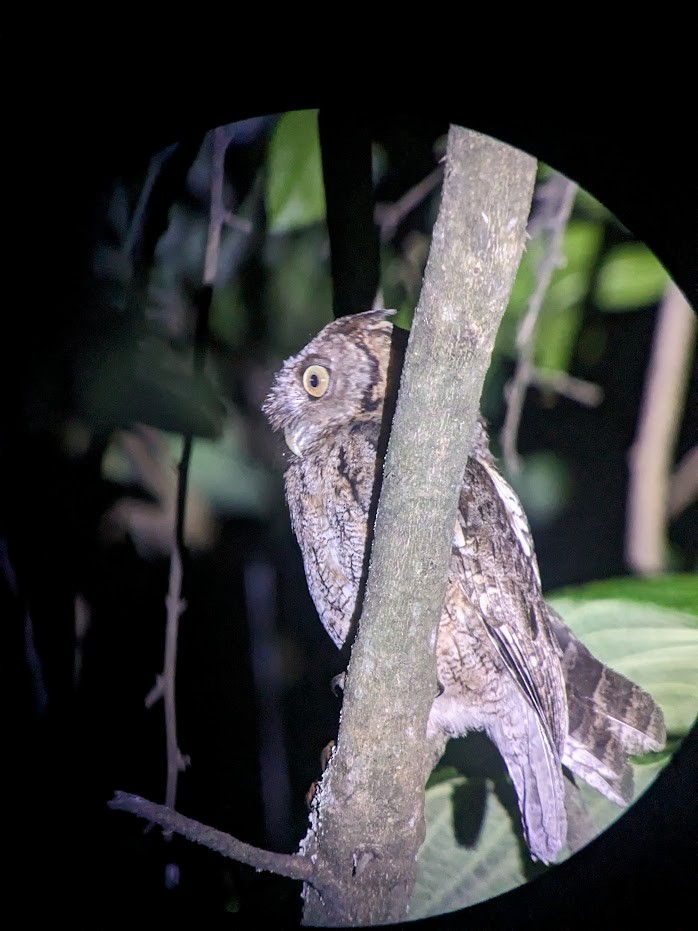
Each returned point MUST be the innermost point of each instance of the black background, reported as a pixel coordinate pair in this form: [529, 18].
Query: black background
[69, 144]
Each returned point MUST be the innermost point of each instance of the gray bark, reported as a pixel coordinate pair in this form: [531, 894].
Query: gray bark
[367, 821]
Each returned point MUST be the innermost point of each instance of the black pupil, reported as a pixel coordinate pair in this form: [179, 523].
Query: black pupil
[314, 380]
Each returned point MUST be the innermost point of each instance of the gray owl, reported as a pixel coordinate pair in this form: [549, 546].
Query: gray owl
[506, 662]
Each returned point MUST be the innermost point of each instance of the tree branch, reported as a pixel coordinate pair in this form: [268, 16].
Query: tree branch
[218, 216]
[559, 194]
[577, 389]
[165, 683]
[652, 452]
[683, 488]
[292, 866]
[367, 823]
[390, 216]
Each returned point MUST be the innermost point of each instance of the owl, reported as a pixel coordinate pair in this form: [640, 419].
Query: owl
[506, 662]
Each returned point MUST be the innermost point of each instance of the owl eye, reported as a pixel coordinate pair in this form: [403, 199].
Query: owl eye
[316, 380]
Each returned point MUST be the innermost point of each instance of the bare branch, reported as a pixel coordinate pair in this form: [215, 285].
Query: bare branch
[243, 224]
[651, 455]
[577, 389]
[165, 684]
[291, 865]
[139, 214]
[683, 488]
[222, 136]
[559, 194]
[389, 216]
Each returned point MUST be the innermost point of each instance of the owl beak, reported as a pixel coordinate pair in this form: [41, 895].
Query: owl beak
[292, 443]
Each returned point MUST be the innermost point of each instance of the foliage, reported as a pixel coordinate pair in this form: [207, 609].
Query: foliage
[295, 196]
[273, 291]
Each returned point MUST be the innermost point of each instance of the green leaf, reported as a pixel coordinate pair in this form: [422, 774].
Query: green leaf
[295, 193]
[561, 313]
[631, 276]
[452, 875]
[679, 591]
[647, 630]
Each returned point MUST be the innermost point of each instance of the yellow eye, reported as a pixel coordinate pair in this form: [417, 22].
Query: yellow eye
[316, 380]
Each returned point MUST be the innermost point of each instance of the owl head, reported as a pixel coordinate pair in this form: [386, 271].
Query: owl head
[338, 379]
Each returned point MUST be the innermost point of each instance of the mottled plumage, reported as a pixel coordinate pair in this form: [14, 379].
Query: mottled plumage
[506, 662]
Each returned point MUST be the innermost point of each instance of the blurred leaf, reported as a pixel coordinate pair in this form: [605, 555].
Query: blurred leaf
[227, 314]
[561, 313]
[639, 628]
[223, 472]
[543, 485]
[295, 193]
[678, 591]
[298, 294]
[630, 277]
[591, 208]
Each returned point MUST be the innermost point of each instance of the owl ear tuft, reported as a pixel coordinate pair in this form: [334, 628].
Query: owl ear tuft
[371, 317]
[381, 312]
[353, 324]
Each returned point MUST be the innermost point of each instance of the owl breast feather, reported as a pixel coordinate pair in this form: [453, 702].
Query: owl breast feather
[329, 496]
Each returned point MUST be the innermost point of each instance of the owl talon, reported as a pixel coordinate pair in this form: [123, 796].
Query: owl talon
[326, 754]
[311, 793]
[338, 683]
[324, 760]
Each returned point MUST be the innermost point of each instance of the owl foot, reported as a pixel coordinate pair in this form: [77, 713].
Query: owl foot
[311, 793]
[326, 754]
[338, 683]
[324, 760]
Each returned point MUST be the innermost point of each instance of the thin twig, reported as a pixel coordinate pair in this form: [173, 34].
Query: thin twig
[577, 389]
[683, 487]
[293, 866]
[389, 216]
[222, 135]
[135, 229]
[554, 226]
[243, 224]
[165, 683]
[651, 455]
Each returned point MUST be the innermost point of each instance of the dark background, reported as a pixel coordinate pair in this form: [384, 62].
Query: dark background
[74, 858]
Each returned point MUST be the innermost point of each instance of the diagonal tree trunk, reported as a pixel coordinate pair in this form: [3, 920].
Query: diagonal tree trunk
[367, 823]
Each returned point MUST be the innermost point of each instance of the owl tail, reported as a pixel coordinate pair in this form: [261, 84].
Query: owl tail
[535, 770]
[610, 718]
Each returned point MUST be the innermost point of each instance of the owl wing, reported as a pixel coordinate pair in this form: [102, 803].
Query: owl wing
[352, 482]
[502, 581]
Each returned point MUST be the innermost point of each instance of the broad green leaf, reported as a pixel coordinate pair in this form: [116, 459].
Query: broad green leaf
[647, 630]
[295, 193]
[679, 591]
[453, 875]
[630, 277]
